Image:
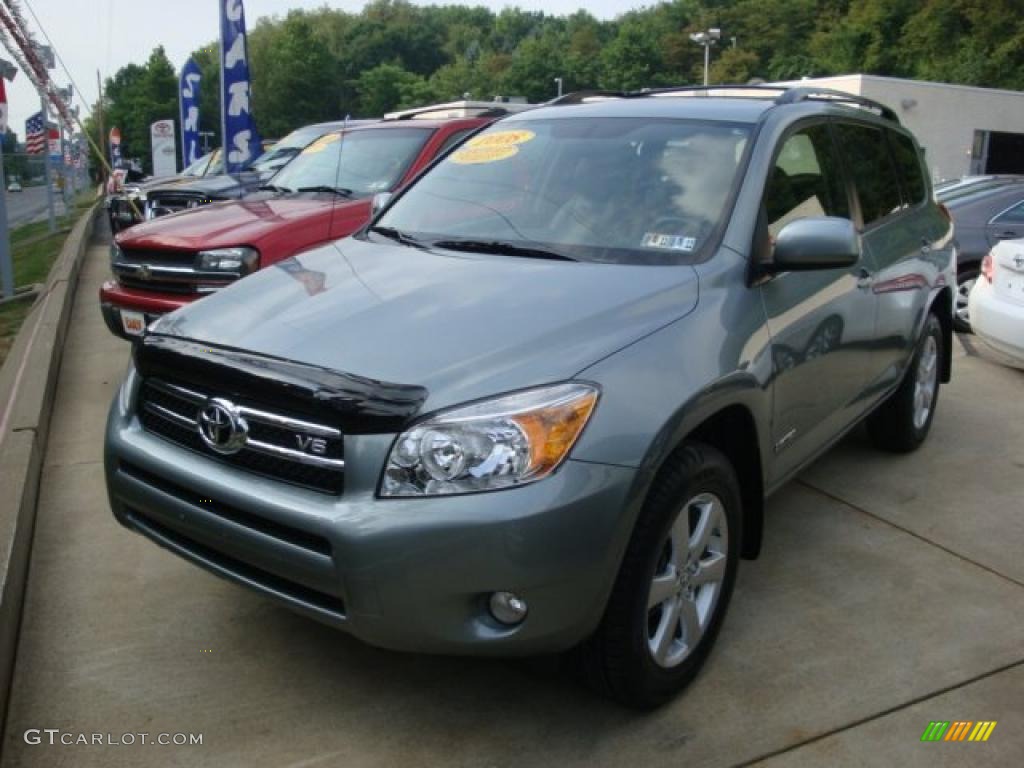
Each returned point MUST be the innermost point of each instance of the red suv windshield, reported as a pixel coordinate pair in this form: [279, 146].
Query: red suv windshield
[364, 162]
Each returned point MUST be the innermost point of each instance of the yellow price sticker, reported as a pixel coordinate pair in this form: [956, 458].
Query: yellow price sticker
[322, 143]
[491, 147]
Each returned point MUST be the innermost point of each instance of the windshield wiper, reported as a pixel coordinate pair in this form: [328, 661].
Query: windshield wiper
[501, 247]
[273, 188]
[340, 191]
[399, 237]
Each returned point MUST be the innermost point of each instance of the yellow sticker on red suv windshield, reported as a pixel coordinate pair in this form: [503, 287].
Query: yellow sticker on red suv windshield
[491, 147]
[321, 144]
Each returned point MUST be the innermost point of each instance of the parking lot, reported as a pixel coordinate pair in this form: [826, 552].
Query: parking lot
[890, 593]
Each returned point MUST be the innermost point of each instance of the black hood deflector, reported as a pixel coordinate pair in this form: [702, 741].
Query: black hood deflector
[357, 404]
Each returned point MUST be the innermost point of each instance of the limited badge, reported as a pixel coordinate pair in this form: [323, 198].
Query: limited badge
[669, 242]
[491, 147]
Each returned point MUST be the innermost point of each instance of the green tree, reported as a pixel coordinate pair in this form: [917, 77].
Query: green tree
[139, 96]
[295, 82]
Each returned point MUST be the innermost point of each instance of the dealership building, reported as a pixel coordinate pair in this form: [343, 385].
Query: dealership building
[963, 130]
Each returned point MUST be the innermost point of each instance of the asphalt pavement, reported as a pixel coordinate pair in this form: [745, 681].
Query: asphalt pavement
[30, 205]
[889, 595]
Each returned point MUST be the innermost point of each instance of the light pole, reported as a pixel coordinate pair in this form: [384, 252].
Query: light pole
[707, 38]
[559, 81]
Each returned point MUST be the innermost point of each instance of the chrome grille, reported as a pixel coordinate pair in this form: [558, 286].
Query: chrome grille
[153, 273]
[165, 203]
[272, 447]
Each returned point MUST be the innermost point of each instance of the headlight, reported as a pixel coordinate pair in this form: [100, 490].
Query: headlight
[497, 443]
[242, 260]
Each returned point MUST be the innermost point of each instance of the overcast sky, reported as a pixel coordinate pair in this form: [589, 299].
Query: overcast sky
[107, 34]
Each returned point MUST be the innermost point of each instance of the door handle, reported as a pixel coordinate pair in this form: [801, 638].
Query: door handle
[1006, 235]
[865, 278]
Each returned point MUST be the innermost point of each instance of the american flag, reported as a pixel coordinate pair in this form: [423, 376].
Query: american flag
[35, 134]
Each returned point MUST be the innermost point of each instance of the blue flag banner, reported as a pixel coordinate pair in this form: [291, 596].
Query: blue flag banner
[188, 98]
[241, 140]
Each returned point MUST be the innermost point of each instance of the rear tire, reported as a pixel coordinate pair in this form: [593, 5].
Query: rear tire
[902, 422]
[674, 585]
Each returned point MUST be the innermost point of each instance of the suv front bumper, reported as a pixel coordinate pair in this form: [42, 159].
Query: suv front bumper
[405, 574]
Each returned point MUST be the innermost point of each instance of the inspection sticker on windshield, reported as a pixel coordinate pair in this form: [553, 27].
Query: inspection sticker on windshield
[491, 147]
[671, 242]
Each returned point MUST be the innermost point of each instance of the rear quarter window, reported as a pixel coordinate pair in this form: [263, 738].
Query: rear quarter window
[867, 157]
[908, 163]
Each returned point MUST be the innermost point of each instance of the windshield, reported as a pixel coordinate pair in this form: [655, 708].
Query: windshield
[597, 189]
[279, 155]
[216, 166]
[198, 168]
[370, 161]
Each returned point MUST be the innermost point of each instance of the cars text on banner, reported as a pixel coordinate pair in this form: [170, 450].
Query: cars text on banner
[241, 140]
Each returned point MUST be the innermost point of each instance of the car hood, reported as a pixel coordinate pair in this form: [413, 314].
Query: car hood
[236, 222]
[462, 325]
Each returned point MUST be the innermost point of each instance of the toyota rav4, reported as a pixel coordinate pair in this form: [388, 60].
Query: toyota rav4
[537, 404]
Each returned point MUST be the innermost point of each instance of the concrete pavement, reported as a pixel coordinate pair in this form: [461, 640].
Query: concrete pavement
[889, 594]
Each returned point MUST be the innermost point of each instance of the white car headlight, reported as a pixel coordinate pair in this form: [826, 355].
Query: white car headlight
[497, 443]
[242, 260]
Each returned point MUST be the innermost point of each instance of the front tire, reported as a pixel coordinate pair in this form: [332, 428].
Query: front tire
[902, 422]
[674, 585]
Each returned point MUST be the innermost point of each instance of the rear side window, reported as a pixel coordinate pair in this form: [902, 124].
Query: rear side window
[805, 180]
[867, 157]
[1013, 216]
[909, 165]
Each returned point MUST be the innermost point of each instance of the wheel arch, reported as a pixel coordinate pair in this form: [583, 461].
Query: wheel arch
[728, 423]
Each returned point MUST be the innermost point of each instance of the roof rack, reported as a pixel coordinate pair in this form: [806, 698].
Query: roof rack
[579, 97]
[797, 94]
[788, 94]
[462, 108]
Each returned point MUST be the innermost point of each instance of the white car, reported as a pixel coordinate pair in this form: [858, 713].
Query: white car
[996, 302]
[14, 186]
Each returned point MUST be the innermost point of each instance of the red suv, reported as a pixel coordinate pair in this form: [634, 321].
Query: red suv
[323, 194]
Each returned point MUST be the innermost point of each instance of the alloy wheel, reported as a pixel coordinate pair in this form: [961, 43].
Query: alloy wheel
[963, 291]
[926, 381]
[688, 580]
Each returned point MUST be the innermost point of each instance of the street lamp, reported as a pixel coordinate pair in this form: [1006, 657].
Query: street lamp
[707, 38]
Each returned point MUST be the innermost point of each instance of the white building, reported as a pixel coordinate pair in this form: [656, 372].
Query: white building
[963, 130]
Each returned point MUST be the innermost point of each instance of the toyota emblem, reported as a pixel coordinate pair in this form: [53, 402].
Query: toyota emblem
[221, 427]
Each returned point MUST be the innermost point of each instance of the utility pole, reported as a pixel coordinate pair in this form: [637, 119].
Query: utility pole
[46, 163]
[7, 72]
[559, 81]
[101, 121]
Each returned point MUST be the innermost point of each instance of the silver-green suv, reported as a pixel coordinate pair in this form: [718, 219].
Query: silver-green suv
[537, 404]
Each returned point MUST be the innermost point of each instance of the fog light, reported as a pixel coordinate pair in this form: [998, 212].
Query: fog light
[508, 608]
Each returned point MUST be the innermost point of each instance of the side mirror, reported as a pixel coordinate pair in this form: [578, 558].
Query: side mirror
[824, 242]
[380, 200]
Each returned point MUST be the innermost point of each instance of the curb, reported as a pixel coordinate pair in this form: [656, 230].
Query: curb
[27, 382]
